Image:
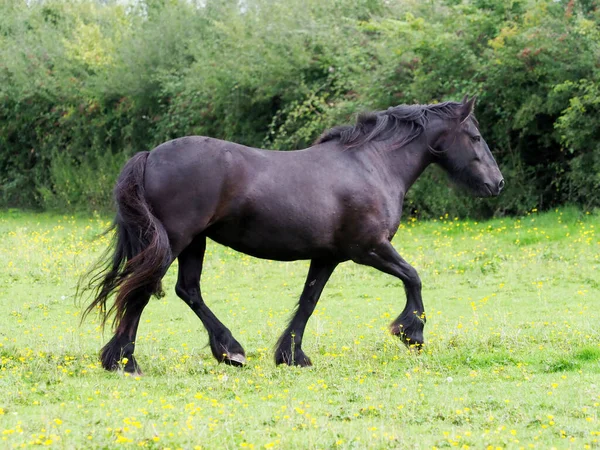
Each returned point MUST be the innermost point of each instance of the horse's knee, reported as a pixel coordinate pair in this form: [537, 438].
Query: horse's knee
[190, 296]
[186, 294]
[181, 292]
[412, 278]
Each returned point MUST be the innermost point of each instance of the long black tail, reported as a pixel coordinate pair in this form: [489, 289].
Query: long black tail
[139, 255]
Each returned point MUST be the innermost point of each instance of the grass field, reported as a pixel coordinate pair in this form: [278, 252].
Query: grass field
[512, 356]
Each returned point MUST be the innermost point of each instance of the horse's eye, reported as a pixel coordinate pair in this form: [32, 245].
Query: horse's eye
[475, 138]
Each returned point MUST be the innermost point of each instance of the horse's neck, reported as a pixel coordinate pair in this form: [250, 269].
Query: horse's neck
[404, 165]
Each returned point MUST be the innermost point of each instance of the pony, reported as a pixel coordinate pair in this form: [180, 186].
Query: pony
[339, 200]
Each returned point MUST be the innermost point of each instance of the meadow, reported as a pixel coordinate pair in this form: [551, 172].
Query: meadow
[512, 355]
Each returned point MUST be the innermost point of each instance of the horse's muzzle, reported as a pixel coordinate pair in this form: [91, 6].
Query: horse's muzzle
[494, 190]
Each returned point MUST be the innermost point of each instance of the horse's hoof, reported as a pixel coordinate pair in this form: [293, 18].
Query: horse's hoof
[414, 347]
[412, 343]
[305, 362]
[132, 368]
[300, 360]
[235, 359]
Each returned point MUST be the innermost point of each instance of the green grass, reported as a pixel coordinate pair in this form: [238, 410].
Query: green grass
[512, 357]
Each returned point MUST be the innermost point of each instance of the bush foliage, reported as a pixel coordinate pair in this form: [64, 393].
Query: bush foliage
[85, 84]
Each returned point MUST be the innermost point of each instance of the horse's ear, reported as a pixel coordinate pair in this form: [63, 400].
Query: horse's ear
[466, 107]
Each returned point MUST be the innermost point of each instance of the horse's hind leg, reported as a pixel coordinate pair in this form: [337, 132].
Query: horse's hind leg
[222, 344]
[289, 346]
[119, 350]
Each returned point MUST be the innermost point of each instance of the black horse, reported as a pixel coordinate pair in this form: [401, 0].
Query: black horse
[339, 200]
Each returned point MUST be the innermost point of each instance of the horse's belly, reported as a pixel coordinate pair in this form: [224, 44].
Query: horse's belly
[268, 242]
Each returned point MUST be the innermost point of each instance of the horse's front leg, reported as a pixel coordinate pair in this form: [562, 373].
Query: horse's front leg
[409, 325]
[289, 347]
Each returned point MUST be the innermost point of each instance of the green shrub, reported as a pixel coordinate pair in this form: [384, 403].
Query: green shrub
[86, 84]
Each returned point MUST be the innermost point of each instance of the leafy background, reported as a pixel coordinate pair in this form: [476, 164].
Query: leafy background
[86, 84]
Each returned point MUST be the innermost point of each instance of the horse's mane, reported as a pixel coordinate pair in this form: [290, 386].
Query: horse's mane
[408, 121]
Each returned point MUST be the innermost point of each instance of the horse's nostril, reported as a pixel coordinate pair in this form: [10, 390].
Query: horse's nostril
[501, 185]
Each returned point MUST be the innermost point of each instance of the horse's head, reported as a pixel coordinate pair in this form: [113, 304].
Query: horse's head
[461, 150]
